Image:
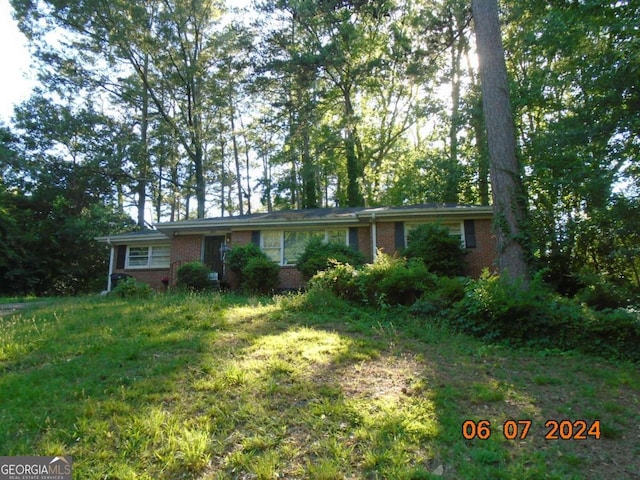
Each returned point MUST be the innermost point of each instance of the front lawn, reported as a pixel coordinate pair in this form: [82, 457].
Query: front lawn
[212, 387]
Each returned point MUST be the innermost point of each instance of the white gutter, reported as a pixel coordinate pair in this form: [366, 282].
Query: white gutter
[194, 227]
[374, 237]
[111, 263]
[129, 238]
[467, 212]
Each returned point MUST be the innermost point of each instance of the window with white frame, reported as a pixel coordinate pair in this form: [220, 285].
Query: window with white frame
[456, 229]
[271, 244]
[151, 256]
[285, 247]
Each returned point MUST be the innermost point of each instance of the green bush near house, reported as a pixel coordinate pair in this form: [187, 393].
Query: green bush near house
[238, 257]
[601, 293]
[341, 280]
[260, 275]
[438, 301]
[132, 288]
[257, 273]
[193, 276]
[498, 311]
[495, 309]
[387, 281]
[393, 280]
[441, 253]
[319, 256]
[612, 334]
[491, 307]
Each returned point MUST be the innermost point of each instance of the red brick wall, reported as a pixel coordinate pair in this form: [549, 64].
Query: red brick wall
[152, 277]
[386, 233]
[290, 277]
[484, 255]
[364, 243]
[240, 238]
[184, 249]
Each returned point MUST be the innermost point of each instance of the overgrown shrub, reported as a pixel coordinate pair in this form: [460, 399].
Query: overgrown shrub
[255, 271]
[601, 293]
[260, 275]
[441, 253]
[612, 334]
[388, 281]
[315, 300]
[341, 280]
[394, 280]
[496, 309]
[319, 256]
[437, 302]
[238, 257]
[132, 288]
[193, 276]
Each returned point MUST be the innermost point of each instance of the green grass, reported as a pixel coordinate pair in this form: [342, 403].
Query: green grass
[21, 299]
[217, 387]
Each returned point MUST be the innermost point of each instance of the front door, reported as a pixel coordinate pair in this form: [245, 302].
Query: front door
[212, 253]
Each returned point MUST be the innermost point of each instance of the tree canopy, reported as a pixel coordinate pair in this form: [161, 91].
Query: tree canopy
[168, 109]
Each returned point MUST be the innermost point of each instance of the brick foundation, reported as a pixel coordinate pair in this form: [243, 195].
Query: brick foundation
[291, 278]
[152, 277]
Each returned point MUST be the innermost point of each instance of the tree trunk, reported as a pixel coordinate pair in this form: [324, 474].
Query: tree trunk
[507, 190]
[144, 151]
[201, 191]
[483, 156]
[223, 178]
[266, 177]
[159, 197]
[456, 32]
[236, 157]
[247, 167]
[355, 197]
[480, 134]
[308, 172]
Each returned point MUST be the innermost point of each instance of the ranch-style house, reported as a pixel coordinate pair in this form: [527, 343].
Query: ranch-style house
[153, 256]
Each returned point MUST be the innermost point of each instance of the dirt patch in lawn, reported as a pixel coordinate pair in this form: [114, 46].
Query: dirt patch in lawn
[388, 377]
[505, 385]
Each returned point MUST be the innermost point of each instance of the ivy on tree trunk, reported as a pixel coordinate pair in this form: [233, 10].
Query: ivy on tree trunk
[507, 190]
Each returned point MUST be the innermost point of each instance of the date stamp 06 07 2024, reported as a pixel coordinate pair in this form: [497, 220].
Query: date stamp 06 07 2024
[519, 429]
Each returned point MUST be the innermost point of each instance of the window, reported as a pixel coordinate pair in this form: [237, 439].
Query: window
[294, 244]
[455, 230]
[336, 236]
[154, 256]
[272, 245]
[285, 247]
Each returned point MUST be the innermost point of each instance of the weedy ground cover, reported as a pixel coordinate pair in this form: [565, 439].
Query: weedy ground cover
[217, 387]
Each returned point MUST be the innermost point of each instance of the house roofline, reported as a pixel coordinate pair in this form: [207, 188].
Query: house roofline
[467, 211]
[145, 236]
[239, 225]
[344, 217]
[298, 218]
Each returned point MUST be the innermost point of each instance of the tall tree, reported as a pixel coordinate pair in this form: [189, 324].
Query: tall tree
[577, 107]
[507, 189]
[166, 43]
